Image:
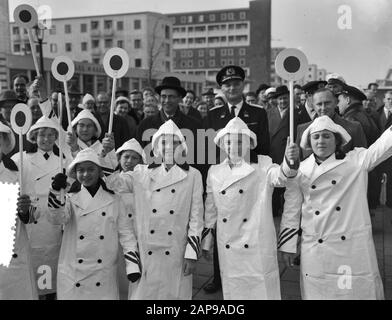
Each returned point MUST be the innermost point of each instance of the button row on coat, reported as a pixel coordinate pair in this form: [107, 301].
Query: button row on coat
[166, 253]
[155, 211]
[321, 240]
[172, 190]
[77, 285]
[333, 182]
[98, 261]
[240, 191]
[169, 233]
[100, 237]
[246, 246]
[225, 220]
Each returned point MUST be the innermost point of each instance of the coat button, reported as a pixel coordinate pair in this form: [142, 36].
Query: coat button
[320, 241]
[171, 211]
[333, 182]
[313, 187]
[167, 253]
[101, 237]
[81, 237]
[317, 213]
[343, 238]
[149, 253]
[152, 231]
[154, 210]
[245, 220]
[80, 260]
[99, 260]
[35, 222]
[77, 285]
[223, 192]
[14, 256]
[246, 246]
[103, 214]
[158, 190]
[337, 208]
[224, 220]
[173, 190]
[227, 246]
[241, 191]
[130, 215]
[169, 233]
[98, 284]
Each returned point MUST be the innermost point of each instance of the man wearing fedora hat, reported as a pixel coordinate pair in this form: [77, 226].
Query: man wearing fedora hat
[171, 94]
[208, 97]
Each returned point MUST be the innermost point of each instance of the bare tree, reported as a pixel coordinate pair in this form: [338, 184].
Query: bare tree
[157, 45]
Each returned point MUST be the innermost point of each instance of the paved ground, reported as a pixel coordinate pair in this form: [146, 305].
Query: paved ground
[382, 233]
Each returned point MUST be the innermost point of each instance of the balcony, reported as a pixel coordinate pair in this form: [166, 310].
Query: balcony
[108, 32]
[96, 51]
[95, 33]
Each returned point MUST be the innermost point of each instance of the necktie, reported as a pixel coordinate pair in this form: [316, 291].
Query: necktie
[46, 156]
[389, 115]
[232, 113]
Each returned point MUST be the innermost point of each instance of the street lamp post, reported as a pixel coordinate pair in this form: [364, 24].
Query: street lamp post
[40, 37]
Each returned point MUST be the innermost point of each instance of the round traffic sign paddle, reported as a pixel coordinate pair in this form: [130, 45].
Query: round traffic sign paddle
[291, 64]
[25, 16]
[63, 68]
[21, 118]
[116, 62]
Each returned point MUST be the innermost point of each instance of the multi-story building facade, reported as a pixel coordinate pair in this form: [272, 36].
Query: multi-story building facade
[5, 47]
[206, 41]
[146, 36]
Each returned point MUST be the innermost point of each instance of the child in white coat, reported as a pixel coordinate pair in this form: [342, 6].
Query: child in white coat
[238, 207]
[17, 281]
[86, 131]
[95, 221]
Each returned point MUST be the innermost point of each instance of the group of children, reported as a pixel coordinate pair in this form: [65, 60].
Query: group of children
[125, 220]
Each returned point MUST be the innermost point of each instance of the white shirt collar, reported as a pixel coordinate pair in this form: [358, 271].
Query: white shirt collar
[43, 152]
[386, 111]
[238, 107]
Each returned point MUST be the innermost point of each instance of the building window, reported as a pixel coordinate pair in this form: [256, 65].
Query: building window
[183, 64]
[230, 61]
[240, 26]
[94, 25]
[53, 48]
[183, 19]
[120, 25]
[230, 52]
[137, 43]
[68, 47]
[211, 63]
[84, 46]
[27, 47]
[230, 16]
[167, 32]
[120, 43]
[183, 54]
[231, 26]
[16, 47]
[201, 53]
[167, 66]
[53, 30]
[211, 52]
[167, 49]
[190, 29]
[223, 52]
[242, 15]
[137, 24]
[223, 62]
[190, 19]
[95, 44]
[108, 24]
[231, 38]
[223, 39]
[201, 18]
[15, 30]
[190, 40]
[212, 17]
[83, 27]
[190, 54]
[223, 16]
[200, 63]
[190, 63]
[67, 28]
[108, 43]
[200, 29]
[241, 38]
[138, 63]
[242, 62]
[96, 60]
[213, 27]
[200, 40]
[242, 51]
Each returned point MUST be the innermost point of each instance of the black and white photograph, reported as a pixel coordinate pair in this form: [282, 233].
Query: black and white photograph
[195, 152]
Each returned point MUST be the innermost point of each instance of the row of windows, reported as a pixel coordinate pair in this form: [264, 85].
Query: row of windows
[201, 40]
[211, 63]
[213, 17]
[210, 52]
[137, 62]
[214, 27]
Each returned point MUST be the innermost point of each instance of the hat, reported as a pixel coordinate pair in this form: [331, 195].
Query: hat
[280, 91]
[87, 114]
[334, 78]
[229, 73]
[11, 137]
[8, 96]
[84, 155]
[43, 122]
[269, 93]
[324, 123]
[354, 92]
[123, 91]
[237, 126]
[262, 87]
[209, 92]
[171, 83]
[123, 99]
[312, 86]
[87, 97]
[169, 127]
[133, 145]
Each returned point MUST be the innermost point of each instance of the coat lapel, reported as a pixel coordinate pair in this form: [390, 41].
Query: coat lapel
[87, 203]
[230, 176]
[310, 169]
[161, 178]
[42, 167]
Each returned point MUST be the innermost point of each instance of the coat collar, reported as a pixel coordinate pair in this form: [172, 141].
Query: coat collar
[313, 171]
[162, 178]
[87, 203]
[229, 176]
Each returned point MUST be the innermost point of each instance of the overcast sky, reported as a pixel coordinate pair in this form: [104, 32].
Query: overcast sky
[361, 54]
